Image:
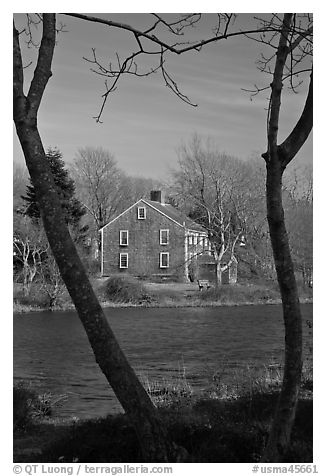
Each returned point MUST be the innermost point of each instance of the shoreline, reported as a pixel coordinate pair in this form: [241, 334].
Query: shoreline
[25, 309]
[215, 418]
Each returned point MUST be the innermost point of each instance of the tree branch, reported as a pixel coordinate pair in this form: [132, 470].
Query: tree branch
[42, 71]
[301, 36]
[177, 27]
[18, 79]
[275, 104]
[194, 46]
[293, 143]
[180, 24]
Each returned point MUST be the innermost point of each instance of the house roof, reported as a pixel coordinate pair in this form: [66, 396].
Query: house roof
[170, 212]
[176, 215]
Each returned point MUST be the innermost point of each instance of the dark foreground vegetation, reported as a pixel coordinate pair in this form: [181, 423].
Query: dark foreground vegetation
[228, 423]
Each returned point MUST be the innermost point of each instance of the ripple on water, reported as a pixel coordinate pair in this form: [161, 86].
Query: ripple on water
[51, 350]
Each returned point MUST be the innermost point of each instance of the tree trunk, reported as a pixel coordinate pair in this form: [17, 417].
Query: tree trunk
[29, 273]
[285, 412]
[155, 445]
[154, 442]
[218, 274]
[26, 282]
[277, 158]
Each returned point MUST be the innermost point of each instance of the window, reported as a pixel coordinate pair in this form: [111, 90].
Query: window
[164, 237]
[123, 260]
[191, 239]
[164, 260]
[202, 241]
[195, 239]
[141, 213]
[124, 238]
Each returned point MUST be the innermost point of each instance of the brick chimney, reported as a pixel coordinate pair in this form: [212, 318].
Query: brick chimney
[158, 196]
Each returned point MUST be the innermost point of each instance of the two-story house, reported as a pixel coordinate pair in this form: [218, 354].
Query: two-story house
[151, 239]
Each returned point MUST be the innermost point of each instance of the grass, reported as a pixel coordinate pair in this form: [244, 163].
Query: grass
[229, 423]
[171, 392]
[119, 291]
[29, 407]
[38, 300]
[211, 430]
[242, 294]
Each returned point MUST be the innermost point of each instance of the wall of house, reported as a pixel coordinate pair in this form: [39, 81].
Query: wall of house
[144, 245]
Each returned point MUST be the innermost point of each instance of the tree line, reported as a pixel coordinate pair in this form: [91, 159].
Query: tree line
[92, 190]
[221, 192]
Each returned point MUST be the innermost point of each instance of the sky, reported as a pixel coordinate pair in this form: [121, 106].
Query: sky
[144, 124]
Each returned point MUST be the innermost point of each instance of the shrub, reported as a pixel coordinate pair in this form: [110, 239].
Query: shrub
[28, 406]
[44, 404]
[36, 297]
[124, 289]
[23, 398]
[40, 298]
[171, 393]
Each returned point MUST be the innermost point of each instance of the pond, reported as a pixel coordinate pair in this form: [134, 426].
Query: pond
[52, 352]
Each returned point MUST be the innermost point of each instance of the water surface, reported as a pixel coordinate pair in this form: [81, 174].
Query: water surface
[51, 349]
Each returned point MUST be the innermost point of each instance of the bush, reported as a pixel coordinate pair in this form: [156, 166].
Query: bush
[124, 289]
[23, 398]
[28, 406]
[44, 404]
[36, 297]
[168, 393]
[39, 298]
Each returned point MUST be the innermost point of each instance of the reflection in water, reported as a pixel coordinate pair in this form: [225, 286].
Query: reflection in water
[51, 350]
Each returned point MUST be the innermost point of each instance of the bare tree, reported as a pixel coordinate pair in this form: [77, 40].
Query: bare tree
[293, 47]
[50, 280]
[252, 211]
[30, 247]
[99, 186]
[103, 188]
[98, 178]
[289, 38]
[207, 186]
[152, 435]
